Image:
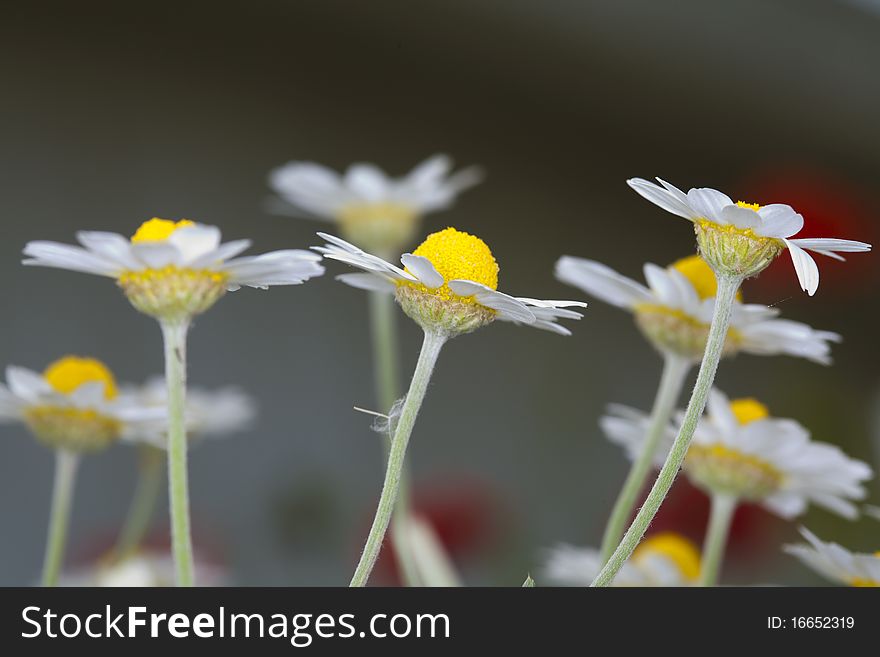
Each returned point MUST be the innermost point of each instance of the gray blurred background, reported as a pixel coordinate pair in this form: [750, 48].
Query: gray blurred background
[112, 113]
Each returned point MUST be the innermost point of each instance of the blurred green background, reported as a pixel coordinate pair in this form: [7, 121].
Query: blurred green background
[112, 113]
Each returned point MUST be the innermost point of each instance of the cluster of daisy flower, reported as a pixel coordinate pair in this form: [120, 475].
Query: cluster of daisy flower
[690, 311]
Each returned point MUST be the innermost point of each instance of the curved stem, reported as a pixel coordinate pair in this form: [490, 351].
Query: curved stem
[178, 487]
[720, 518]
[143, 504]
[727, 287]
[675, 369]
[59, 515]
[386, 368]
[427, 359]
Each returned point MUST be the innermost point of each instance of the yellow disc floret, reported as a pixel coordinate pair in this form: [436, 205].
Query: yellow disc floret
[158, 230]
[69, 373]
[748, 410]
[679, 550]
[749, 206]
[459, 255]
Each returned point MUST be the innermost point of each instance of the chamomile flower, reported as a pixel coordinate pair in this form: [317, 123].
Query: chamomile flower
[664, 559]
[208, 413]
[145, 568]
[378, 213]
[173, 270]
[739, 450]
[74, 405]
[740, 239]
[449, 284]
[674, 311]
[836, 562]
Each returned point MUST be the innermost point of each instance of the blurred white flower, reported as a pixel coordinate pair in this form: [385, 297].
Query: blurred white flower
[743, 238]
[174, 270]
[836, 562]
[449, 284]
[739, 450]
[379, 213]
[675, 309]
[74, 405]
[664, 559]
[145, 568]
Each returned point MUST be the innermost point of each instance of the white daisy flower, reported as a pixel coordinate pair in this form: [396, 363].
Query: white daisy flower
[74, 405]
[373, 210]
[664, 559]
[208, 412]
[742, 238]
[836, 562]
[449, 284]
[740, 451]
[174, 270]
[145, 568]
[674, 311]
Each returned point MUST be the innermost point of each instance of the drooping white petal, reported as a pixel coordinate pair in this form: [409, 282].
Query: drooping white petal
[288, 267]
[65, 256]
[368, 281]
[708, 203]
[602, 282]
[830, 246]
[423, 269]
[805, 266]
[665, 198]
[508, 308]
[779, 220]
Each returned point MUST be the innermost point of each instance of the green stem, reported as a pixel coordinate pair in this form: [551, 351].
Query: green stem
[720, 518]
[727, 287]
[418, 386]
[675, 369]
[59, 516]
[143, 504]
[178, 488]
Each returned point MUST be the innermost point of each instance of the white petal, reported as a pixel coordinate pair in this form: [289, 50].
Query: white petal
[666, 199]
[156, 255]
[221, 254]
[367, 182]
[740, 217]
[664, 288]
[289, 267]
[366, 281]
[779, 220]
[423, 269]
[602, 282]
[312, 187]
[26, 384]
[65, 256]
[829, 246]
[805, 266]
[195, 241]
[508, 308]
[112, 246]
[708, 203]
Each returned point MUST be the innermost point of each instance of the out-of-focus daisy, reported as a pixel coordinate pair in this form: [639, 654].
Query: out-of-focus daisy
[75, 407]
[449, 285]
[740, 238]
[740, 450]
[675, 309]
[208, 413]
[145, 568]
[379, 213]
[174, 270]
[664, 559]
[836, 562]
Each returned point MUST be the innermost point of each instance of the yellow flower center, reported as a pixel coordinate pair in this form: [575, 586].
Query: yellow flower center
[700, 275]
[674, 547]
[750, 206]
[158, 230]
[748, 410]
[458, 255]
[381, 228]
[69, 373]
[721, 468]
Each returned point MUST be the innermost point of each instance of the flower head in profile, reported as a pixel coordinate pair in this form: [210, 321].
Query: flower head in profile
[664, 559]
[173, 270]
[449, 285]
[209, 413]
[674, 311]
[739, 450]
[379, 213]
[73, 405]
[836, 562]
[741, 239]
